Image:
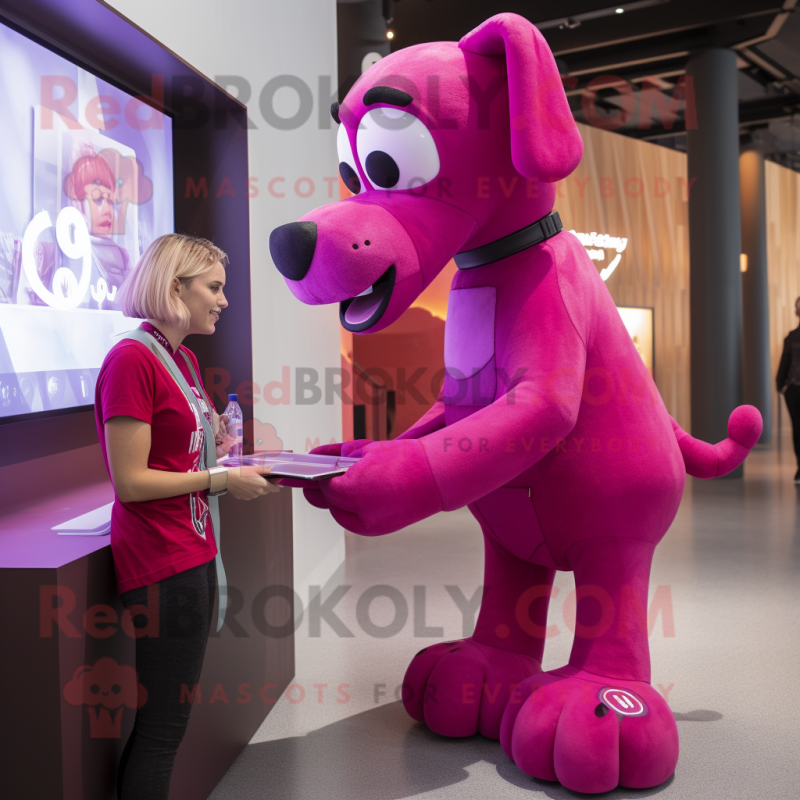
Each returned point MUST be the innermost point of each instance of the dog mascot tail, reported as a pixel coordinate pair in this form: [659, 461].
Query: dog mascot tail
[704, 460]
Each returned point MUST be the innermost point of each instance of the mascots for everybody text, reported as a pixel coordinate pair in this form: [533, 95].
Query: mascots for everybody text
[549, 426]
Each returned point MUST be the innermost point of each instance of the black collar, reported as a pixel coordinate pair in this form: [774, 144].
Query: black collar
[532, 234]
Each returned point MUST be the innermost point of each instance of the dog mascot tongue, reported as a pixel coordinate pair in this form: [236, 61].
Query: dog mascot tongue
[549, 427]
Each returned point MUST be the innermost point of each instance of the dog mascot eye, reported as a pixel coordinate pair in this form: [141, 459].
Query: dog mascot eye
[347, 164]
[396, 150]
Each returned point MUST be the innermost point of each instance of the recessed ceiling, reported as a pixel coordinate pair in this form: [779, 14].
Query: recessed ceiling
[649, 38]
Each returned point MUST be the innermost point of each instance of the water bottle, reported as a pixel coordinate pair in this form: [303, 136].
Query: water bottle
[233, 413]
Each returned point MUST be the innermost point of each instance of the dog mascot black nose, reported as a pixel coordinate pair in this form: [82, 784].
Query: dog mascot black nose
[292, 248]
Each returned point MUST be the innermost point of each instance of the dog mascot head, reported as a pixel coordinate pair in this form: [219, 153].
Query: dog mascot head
[446, 146]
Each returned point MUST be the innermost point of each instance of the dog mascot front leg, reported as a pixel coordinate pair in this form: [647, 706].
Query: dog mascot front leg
[549, 427]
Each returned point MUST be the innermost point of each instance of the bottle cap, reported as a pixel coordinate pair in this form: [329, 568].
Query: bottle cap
[233, 398]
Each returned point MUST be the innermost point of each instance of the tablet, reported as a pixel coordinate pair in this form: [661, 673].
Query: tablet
[309, 472]
[286, 464]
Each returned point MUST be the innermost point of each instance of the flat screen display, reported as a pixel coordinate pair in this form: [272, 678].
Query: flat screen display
[85, 186]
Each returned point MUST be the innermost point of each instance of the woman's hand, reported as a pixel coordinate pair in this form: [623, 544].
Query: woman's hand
[247, 483]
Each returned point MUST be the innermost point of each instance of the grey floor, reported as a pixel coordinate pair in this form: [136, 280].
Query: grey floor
[729, 662]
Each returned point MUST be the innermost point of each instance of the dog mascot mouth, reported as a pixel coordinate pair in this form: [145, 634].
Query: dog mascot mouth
[362, 312]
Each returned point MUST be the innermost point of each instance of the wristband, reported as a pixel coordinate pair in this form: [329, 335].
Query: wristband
[218, 481]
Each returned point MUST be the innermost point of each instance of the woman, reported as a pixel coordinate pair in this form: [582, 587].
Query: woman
[162, 538]
[788, 383]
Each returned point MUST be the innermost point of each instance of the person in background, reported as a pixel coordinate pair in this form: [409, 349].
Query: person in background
[162, 536]
[788, 383]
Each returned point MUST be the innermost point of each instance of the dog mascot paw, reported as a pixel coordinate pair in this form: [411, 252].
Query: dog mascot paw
[462, 688]
[589, 733]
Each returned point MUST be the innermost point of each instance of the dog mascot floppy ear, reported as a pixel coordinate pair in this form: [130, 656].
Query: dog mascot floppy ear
[549, 428]
[545, 143]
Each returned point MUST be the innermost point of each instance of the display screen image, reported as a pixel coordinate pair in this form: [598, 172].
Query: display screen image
[639, 324]
[85, 186]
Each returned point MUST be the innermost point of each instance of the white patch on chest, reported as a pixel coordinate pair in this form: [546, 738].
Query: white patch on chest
[469, 330]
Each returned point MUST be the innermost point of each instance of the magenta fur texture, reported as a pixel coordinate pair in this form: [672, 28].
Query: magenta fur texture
[549, 427]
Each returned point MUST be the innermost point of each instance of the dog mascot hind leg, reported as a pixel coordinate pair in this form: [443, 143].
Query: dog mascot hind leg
[548, 427]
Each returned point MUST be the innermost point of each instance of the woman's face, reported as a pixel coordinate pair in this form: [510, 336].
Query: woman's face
[98, 209]
[204, 298]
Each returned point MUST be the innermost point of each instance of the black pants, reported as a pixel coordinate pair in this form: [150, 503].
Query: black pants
[165, 662]
[792, 397]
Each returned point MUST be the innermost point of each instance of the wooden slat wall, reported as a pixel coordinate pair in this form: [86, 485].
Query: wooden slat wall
[624, 187]
[783, 258]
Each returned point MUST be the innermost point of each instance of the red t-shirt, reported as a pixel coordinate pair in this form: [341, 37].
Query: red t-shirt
[154, 539]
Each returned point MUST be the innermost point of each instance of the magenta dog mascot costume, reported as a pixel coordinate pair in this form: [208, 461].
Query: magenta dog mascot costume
[549, 427]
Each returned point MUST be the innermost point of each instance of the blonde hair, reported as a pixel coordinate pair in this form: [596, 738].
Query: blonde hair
[147, 293]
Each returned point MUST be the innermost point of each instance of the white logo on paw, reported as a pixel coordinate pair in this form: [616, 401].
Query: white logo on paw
[623, 702]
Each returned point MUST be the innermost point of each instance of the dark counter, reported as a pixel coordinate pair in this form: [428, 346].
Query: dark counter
[54, 749]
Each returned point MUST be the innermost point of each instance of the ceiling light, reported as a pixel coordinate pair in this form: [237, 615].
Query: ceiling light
[390, 34]
[609, 11]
